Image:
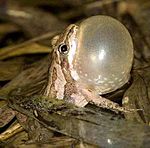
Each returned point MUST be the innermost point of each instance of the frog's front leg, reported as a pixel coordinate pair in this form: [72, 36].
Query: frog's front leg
[96, 99]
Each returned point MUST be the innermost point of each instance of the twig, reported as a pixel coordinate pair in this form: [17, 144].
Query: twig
[11, 132]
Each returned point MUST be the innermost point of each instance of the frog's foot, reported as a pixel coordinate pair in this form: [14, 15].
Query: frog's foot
[105, 103]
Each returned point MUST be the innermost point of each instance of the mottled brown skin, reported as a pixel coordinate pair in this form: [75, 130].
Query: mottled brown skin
[64, 86]
[61, 84]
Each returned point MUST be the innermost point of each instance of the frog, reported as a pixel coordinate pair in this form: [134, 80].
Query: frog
[89, 60]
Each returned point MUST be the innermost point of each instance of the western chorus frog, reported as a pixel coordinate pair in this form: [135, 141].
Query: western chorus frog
[90, 59]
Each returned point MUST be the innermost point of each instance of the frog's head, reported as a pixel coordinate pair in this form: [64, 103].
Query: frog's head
[97, 54]
[64, 46]
[60, 79]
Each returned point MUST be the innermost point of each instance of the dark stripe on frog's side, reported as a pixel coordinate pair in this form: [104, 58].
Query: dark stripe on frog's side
[52, 76]
[70, 87]
[52, 87]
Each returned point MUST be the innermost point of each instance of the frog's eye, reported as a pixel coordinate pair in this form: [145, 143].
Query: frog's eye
[63, 49]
